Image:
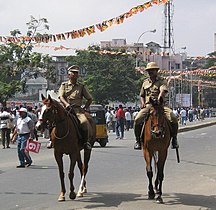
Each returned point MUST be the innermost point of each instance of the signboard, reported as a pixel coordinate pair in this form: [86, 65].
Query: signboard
[33, 146]
[183, 99]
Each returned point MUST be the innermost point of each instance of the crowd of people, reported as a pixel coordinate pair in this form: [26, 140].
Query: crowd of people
[188, 114]
[120, 119]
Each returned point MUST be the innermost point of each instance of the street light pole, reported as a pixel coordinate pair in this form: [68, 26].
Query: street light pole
[152, 31]
[191, 86]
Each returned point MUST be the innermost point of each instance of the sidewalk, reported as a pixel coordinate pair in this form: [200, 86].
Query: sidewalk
[197, 124]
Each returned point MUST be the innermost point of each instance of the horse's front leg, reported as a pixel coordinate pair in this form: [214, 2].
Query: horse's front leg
[82, 187]
[160, 175]
[80, 166]
[73, 158]
[59, 161]
[148, 159]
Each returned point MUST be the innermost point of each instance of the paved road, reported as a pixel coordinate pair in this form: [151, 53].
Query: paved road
[117, 177]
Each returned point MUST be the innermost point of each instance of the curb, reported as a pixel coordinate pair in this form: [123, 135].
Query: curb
[194, 127]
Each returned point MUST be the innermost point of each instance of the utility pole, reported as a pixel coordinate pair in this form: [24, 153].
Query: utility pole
[168, 46]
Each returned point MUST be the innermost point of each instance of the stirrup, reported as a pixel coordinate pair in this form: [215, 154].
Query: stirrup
[87, 146]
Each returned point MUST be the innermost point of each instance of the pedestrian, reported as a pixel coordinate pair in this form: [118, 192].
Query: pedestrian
[71, 93]
[24, 131]
[154, 87]
[113, 111]
[120, 123]
[6, 124]
[183, 115]
[190, 115]
[109, 119]
[34, 118]
[127, 119]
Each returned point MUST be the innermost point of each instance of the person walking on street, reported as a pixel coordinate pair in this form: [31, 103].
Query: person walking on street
[24, 130]
[109, 118]
[120, 122]
[156, 88]
[71, 93]
[6, 120]
[34, 118]
[127, 119]
[183, 115]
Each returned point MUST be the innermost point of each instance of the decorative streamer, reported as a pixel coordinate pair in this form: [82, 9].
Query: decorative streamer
[88, 30]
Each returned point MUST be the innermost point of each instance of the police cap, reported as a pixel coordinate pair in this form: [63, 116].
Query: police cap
[73, 68]
[152, 66]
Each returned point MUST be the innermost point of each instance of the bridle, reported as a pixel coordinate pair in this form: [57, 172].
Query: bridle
[160, 124]
[56, 121]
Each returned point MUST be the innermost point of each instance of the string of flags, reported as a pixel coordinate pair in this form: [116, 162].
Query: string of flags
[74, 34]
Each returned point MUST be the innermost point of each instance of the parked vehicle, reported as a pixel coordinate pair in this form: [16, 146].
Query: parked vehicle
[98, 113]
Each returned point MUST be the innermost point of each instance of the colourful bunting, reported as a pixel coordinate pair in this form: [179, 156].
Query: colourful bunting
[88, 30]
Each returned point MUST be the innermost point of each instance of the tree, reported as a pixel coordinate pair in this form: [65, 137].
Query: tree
[110, 77]
[18, 62]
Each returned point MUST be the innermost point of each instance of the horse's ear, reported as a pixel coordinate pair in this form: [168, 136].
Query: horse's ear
[49, 97]
[42, 96]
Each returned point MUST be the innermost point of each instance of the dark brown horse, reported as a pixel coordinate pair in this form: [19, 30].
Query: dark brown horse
[65, 141]
[156, 142]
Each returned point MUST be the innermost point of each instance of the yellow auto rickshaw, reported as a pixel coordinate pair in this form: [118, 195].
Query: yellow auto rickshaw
[98, 113]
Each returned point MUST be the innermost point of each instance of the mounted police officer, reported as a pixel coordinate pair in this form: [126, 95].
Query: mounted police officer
[71, 93]
[156, 88]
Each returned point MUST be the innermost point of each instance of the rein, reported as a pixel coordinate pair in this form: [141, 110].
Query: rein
[55, 122]
[161, 128]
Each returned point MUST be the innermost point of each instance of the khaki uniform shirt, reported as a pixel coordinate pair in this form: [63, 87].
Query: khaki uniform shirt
[150, 89]
[74, 93]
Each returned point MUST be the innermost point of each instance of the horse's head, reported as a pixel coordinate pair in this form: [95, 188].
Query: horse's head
[157, 118]
[52, 112]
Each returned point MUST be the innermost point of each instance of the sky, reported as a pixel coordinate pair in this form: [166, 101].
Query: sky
[193, 22]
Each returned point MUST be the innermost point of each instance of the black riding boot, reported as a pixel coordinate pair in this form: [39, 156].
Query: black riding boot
[175, 144]
[137, 131]
[86, 140]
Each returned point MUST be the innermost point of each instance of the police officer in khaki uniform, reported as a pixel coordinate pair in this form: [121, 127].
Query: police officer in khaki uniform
[156, 88]
[72, 93]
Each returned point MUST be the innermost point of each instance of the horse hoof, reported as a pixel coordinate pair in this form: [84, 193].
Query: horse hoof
[84, 190]
[79, 194]
[159, 200]
[61, 198]
[151, 196]
[72, 195]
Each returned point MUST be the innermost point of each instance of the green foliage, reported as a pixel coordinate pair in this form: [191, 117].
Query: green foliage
[110, 77]
[17, 58]
[211, 61]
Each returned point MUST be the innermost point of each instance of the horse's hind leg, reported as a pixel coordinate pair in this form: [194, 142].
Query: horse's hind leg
[73, 159]
[59, 161]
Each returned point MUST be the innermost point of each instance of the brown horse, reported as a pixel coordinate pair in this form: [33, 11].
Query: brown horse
[65, 141]
[157, 137]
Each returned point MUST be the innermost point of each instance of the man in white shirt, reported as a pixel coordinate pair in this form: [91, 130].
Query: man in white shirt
[24, 130]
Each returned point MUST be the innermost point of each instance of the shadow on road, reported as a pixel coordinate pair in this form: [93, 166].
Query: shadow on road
[108, 200]
[206, 202]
